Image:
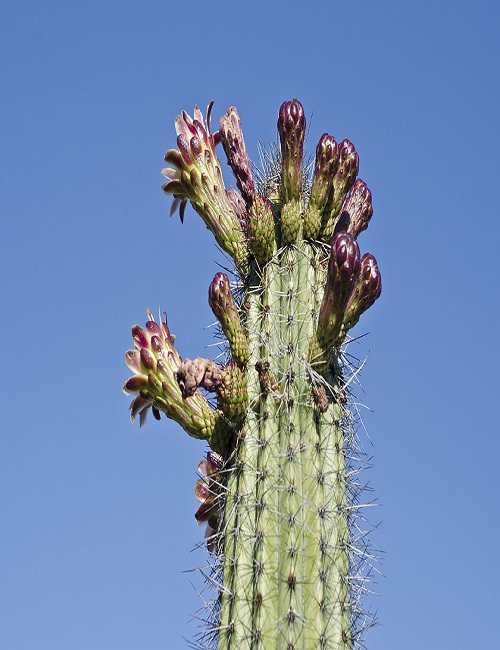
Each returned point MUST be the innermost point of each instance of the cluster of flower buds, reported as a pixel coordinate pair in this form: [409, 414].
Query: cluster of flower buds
[246, 223]
[345, 175]
[155, 363]
[208, 490]
[352, 286]
[250, 226]
[196, 176]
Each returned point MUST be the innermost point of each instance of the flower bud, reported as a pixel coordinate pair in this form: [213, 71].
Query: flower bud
[221, 301]
[291, 129]
[260, 230]
[343, 180]
[367, 289]
[343, 269]
[291, 222]
[327, 161]
[356, 211]
[236, 153]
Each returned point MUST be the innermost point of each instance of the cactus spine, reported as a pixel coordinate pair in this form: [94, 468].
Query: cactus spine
[274, 490]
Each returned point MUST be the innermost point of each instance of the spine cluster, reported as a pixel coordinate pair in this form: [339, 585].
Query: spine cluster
[274, 490]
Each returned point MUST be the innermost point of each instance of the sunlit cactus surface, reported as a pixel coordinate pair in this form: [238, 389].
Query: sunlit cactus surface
[278, 489]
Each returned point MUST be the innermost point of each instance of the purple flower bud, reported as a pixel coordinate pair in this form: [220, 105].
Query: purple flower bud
[135, 384]
[219, 293]
[343, 269]
[367, 289]
[148, 360]
[184, 125]
[342, 182]
[133, 360]
[215, 462]
[236, 153]
[154, 328]
[327, 153]
[140, 336]
[291, 129]
[369, 276]
[157, 345]
[291, 118]
[140, 405]
[200, 129]
[320, 202]
[344, 257]
[196, 148]
[184, 148]
[356, 211]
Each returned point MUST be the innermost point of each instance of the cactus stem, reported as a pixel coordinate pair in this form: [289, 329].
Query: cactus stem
[279, 491]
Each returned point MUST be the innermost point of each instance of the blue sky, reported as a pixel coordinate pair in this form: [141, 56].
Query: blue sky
[97, 515]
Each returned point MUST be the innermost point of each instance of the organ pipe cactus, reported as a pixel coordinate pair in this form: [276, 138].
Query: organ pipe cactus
[276, 490]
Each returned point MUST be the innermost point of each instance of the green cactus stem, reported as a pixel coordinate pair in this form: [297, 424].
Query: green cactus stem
[276, 490]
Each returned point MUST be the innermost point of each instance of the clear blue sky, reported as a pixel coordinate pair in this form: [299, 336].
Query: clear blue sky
[96, 515]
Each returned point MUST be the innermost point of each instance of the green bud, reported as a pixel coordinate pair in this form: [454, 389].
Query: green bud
[222, 303]
[260, 230]
[291, 222]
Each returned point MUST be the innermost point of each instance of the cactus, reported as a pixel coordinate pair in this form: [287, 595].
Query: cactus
[276, 489]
